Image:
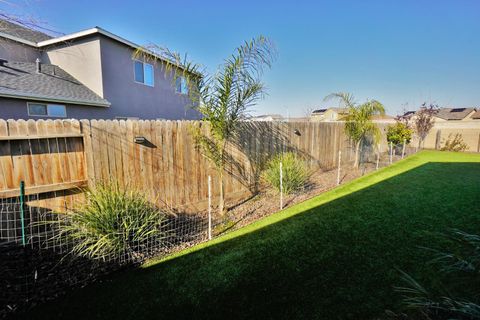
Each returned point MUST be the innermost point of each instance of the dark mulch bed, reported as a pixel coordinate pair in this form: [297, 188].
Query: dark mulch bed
[32, 276]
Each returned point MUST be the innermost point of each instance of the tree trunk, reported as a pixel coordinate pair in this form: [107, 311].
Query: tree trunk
[357, 154]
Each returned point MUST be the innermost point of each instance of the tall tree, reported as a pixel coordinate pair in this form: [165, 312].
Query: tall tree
[424, 120]
[223, 98]
[358, 122]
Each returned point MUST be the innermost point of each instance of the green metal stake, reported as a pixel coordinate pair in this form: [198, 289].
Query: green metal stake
[22, 210]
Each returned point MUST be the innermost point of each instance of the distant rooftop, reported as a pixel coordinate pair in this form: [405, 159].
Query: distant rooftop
[408, 113]
[450, 113]
[338, 110]
[454, 113]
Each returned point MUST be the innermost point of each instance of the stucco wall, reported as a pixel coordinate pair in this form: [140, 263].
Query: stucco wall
[14, 51]
[81, 59]
[132, 99]
[17, 109]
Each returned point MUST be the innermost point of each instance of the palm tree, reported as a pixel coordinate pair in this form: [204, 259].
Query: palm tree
[358, 123]
[224, 98]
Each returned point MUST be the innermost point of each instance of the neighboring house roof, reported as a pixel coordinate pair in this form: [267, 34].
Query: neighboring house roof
[337, 110]
[15, 31]
[409, 113]
[454, 113]
[319, 111]
[21, 80]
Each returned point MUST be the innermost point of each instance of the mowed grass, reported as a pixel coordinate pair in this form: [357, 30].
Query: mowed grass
[335, 256]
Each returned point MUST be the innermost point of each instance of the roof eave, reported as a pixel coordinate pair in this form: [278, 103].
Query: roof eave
[53, 99]
[98, 30]
[17, 39]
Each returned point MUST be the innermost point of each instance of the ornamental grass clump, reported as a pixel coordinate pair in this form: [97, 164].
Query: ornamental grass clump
[294, 171]
[453, 292]
[113, 222]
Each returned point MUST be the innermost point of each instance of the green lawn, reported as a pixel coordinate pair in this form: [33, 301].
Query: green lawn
[332, 257]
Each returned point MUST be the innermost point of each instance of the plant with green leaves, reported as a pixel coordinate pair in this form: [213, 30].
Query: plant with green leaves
[113, 221]
[399, 133]
[458, 272]
[224, 98]
[295, 173]
[358, 122]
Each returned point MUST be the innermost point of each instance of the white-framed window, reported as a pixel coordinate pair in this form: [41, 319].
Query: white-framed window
[181, 85]
[143, 73]
[36, 109]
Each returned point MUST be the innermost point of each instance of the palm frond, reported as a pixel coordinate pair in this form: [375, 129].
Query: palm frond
[346, 99]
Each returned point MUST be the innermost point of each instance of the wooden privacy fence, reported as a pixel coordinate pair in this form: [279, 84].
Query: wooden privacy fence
[157, 157]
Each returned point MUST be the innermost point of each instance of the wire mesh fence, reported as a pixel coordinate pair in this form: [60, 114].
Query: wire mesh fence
[38, 262]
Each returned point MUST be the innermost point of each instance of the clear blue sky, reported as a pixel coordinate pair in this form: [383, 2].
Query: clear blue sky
[398, 52]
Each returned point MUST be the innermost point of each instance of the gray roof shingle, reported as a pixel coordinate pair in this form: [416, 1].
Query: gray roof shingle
[453, 113]
[22, 32]
[20, 80]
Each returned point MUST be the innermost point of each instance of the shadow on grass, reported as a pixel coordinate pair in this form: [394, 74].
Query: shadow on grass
[335, 261]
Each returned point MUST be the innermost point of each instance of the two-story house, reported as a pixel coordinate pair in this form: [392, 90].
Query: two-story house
[88, 74]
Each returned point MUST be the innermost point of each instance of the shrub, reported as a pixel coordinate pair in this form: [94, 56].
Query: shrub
[295, 172]
[454, 293]
[455, 143]
[112, 222]
[398, 133]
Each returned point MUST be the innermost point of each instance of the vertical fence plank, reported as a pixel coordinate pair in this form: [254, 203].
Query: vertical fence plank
[88, 152]
[6, 164]
[36, 152]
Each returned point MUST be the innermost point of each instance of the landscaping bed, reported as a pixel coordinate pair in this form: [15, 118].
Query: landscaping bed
[267, 201]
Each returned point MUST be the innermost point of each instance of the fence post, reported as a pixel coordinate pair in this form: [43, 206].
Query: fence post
[438, 137]
[281, 186]
[339, 164]
[22, 210]
[478, 147]
[209, 208]
[391, 152]
[403, 149]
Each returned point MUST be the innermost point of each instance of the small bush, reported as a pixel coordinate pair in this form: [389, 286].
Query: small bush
[453, 293]
[112, 222]
[295, 172]
[398, 133]
[455, 143]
